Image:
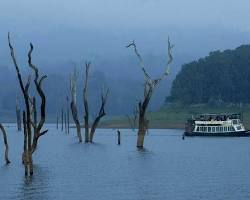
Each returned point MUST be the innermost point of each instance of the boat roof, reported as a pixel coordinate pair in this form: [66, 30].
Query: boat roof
[221, 115]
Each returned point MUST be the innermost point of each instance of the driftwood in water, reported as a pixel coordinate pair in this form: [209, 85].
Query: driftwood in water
[73, 105]
[31, 137]
[149, 86]
[99, 116]
[85, 102]
[5, 140]
[18, 116]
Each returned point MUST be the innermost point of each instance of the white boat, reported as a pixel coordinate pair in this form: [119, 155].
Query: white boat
[216, 125]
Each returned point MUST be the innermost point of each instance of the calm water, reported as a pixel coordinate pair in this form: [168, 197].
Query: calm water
[169, 168]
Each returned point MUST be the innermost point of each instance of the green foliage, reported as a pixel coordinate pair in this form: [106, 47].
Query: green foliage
[217, 78]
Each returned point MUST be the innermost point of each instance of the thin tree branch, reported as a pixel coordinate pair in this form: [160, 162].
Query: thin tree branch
[132, 44]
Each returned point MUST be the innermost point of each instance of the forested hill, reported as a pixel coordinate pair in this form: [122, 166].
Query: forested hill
[219, 77]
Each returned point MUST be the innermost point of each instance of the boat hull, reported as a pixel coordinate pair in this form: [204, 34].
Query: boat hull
[220, 134]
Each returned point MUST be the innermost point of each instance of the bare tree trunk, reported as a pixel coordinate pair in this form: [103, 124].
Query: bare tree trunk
[65, 122]
[18, 116]
[27, 155]
[6, 144]
[39, 125]
[73, 105]
[30, 146]
[99, 116]
[93, 128]
[62, 119]
[149, 87]
[77, 123]
[68, 114]
[57, 121]
[85, 102]
[25, 147]
[141, 131]
[34, 114]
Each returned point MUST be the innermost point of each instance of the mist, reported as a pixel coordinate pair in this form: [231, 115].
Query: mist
[66, 34]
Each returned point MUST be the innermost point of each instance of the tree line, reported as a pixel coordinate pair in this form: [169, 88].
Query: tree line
[220, 77]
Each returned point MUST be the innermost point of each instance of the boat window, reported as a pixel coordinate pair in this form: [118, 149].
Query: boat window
[217, 129]
[205, 129]
[235, 121]
[213, 129]
[209, 129]
[198, 128]
[225, 129]
[238, 127]
[228, 128]
[221, 129]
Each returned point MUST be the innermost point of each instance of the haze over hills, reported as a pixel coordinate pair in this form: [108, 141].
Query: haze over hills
[71, 33]
[118, 71]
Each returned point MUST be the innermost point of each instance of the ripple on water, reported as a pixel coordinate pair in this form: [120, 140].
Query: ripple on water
[168, 168]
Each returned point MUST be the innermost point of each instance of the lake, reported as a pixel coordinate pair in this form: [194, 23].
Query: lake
[168, 168]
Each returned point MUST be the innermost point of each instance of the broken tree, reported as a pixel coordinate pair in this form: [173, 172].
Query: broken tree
[149, 86]
[90, 135]
[100, 114]
[73, 105]
[85, 102]
[30, 137]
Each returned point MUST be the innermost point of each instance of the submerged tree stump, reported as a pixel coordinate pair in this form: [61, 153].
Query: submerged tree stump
[118, 137]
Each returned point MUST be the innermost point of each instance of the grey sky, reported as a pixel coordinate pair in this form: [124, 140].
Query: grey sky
[95, 24]
[126, 13]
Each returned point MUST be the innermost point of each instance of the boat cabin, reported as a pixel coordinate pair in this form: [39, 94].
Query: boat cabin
[214, 123]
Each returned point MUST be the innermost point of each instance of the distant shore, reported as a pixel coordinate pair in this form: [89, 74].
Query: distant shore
[168, 117]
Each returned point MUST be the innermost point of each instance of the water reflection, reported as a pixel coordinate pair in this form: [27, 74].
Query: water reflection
[34, 187]
[167, 168]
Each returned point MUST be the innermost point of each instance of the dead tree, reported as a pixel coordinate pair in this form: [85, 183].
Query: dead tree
[34, 113]
[57, 121]
[132, 120]
[32, 138]
[18, 116]
[149, 86]
[65, 122]
[73, 105]
[62, 114]
[67, 114]
[85, 102]
[6, 144]
[38, 84]
[99, 116]
[26, 157]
